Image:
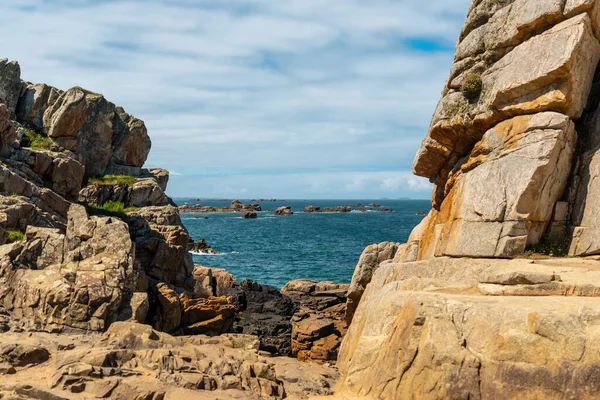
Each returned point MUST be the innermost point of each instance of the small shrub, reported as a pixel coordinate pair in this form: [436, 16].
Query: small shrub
[110, 180]
[556, 246]
[15, 236]
[38, 141]
[472, 86]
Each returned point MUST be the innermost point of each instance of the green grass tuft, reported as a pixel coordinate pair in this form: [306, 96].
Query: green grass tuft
[38, 141]
[110, 208]
[15, 236]
[110, 180]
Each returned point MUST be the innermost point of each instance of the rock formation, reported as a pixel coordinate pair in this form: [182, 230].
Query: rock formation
[133, 361]
[509, 144]
[318, 324]
[512, 152]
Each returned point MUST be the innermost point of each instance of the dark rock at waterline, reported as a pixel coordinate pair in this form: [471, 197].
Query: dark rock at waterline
[250, 215]
[267, 315]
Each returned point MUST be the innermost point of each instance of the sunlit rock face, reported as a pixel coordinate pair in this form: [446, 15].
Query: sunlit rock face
[512, 142]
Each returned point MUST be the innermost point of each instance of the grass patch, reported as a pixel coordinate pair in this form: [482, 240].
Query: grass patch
[110, 208]
[557, 246]
[472, 86]
[110, 180]
[37, 141]
[15, 236]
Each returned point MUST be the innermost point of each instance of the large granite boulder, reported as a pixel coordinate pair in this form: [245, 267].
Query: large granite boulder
[475, 329]
[503, 196]
[101, 133]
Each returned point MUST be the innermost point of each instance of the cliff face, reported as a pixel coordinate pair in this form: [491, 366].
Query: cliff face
[511, 131]
[513, 151]
[66, 158]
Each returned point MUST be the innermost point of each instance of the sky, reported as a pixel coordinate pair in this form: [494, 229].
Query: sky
[255, 98]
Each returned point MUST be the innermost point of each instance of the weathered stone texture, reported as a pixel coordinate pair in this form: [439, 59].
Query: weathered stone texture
[460, 328]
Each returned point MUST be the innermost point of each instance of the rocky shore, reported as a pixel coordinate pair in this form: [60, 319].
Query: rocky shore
[99, 296]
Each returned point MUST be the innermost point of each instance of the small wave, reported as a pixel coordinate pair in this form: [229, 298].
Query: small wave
[199, 253]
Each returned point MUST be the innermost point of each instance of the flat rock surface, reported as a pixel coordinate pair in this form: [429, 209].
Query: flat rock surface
[133, 361]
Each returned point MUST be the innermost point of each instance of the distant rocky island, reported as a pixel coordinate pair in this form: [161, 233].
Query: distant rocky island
[250, 210]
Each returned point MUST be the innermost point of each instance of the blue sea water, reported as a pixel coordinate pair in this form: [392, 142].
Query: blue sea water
[274, 250]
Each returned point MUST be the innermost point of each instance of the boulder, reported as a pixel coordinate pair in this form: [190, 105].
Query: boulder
[10, 136]
[318, 324]
[161, 244]
[284, 210]
[312, 209]
[102, 134]
[475, 328]
[369, 261]
[484, 216]
[250, 215]
[266, 313]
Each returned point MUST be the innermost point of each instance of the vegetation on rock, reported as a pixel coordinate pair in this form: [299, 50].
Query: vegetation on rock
[471, 87]
[110, 180]
[110, 208]
[38, 141]
[557, 246]
[15, 236]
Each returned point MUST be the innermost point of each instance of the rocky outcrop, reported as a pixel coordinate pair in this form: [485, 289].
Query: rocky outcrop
[511, 151]
[76, 280]
[161, 244]
[508, 144]
[201, 247]
[464, 328]
[133, 361]
[284, 210]
[143, 193]
[369, 261]
[266, 313]
[10, 84]
[318, 324]
[104, 135]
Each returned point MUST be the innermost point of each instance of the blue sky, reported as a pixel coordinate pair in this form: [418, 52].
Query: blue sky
[255, 98]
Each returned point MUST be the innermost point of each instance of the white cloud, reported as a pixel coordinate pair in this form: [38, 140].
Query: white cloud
[254, 84]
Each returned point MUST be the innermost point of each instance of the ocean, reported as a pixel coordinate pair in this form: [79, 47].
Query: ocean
[274, 250]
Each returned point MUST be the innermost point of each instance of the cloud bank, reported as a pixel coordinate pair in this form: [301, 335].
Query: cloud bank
[295, 98]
